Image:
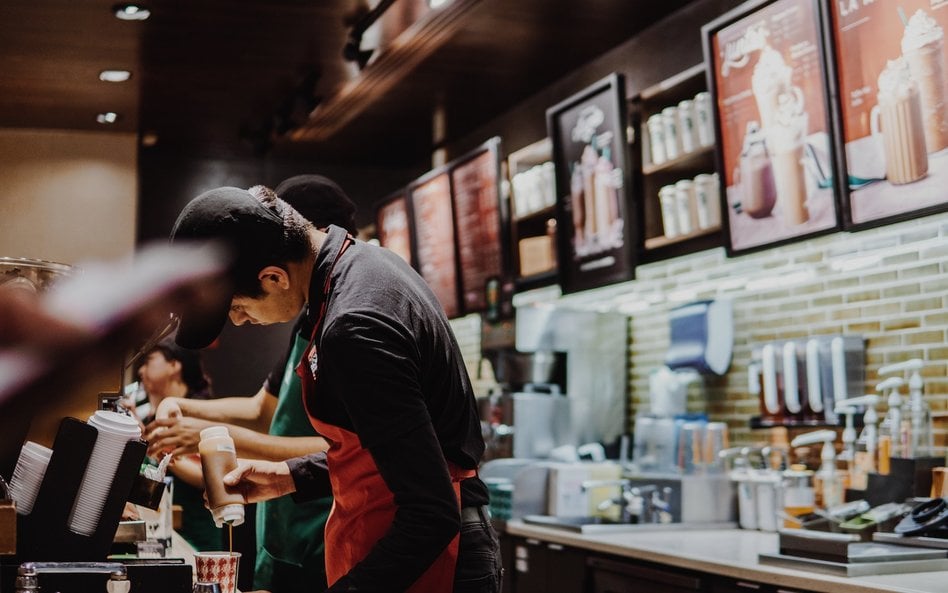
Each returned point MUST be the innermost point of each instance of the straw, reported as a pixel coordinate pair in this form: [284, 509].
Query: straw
[903, 17]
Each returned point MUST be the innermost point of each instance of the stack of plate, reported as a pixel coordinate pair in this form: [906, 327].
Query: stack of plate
[28, 475]
[115, 431]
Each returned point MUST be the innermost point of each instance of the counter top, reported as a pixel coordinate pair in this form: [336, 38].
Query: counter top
[728, 552]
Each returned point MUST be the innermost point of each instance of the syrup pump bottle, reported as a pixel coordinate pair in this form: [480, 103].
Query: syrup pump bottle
[866, 446]
[891, 431]
[827, 482]
[917, 438]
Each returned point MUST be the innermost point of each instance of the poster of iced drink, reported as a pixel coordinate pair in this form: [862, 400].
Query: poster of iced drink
[593, 218]
[393, 225]
[769, 85]
[893, 86]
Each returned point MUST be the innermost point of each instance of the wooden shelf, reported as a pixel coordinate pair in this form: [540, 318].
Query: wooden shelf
[663, 241]
[698, 70]
[680, 162]
[548, 212]
[535, 281]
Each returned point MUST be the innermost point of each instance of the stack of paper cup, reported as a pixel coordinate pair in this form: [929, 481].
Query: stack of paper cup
[115, 431]
[28, 475]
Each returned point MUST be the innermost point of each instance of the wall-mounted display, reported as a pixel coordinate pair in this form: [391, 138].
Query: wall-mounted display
[433, 222]
[393, 225]
[594, 222]
[480, 218]
[892, 72]
[770, 93]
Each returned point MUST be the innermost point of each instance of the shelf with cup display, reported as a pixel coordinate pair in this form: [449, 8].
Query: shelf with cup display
[545, 212]
[663, 241]
[687, 161]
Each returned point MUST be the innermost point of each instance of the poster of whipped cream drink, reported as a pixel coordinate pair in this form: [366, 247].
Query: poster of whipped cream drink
[770, 97]
[892, 72]
[589, 153]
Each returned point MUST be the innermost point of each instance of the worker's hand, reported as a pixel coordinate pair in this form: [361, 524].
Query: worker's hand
[168, 408]
[257, 480]
[175, 436]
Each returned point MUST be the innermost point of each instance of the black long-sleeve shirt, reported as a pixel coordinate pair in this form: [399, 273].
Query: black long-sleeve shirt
[390, 371]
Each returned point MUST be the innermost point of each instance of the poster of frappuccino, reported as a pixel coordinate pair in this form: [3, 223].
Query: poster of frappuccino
[393, 225]
[593, 220]
[770, 90]
[891, 64]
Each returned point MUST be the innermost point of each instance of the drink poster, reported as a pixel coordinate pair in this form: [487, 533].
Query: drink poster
[892, 69]
[589, 154]
[393, 226]
[434, 239]
[477, 211]
[770, 94]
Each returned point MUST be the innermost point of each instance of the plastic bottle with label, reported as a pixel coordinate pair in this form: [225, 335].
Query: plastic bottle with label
[218, 457]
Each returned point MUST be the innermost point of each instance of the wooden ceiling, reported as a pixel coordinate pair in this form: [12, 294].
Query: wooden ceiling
[220, 78]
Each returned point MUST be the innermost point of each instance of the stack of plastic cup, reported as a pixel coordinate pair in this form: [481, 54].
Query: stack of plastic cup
[28, 475]
[115, 431]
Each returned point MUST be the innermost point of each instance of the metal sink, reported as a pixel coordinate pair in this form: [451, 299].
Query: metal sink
[601, 525]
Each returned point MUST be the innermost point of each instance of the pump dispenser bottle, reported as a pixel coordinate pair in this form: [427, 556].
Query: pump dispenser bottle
[891, 431]
[827, 482]
[916, 414]
[864, 457]
[848, 455]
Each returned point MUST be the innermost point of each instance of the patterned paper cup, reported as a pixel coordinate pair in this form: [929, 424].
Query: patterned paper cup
[217, 567]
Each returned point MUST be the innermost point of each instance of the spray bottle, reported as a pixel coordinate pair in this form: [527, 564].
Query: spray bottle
[864, 456]
[892, 436]
[917, 416]
[827, 483]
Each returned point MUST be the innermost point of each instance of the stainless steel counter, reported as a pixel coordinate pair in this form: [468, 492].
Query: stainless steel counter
[728, 552]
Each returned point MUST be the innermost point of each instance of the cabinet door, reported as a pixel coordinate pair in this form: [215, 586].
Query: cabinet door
[729, 585]
[507, 561]
[566, 569]
[614, 576]
[530, 566]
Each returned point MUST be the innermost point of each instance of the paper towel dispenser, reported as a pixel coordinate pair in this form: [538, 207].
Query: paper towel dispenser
[702, 336]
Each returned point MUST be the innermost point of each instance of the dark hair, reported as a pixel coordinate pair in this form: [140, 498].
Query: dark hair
[320, 200]
[192, 368]
[294, 247]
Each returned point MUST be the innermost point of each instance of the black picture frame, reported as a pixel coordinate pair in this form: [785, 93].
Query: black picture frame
[860, 39]
[398, 200]
[434, 255]
[596, 250]
[790, 155]
[481, 240]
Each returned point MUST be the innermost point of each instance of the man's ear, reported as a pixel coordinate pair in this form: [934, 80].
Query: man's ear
[275, 276]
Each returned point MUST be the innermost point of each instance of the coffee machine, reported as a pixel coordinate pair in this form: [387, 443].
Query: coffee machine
[563, 378]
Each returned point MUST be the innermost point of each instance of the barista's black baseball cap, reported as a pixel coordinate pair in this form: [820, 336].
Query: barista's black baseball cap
[251, 232]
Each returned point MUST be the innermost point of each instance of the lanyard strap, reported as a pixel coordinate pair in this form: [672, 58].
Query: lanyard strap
[327, 285]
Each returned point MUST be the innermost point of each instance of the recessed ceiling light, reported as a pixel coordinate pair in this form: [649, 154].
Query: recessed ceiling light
[130, 12]
[149, 139]
[114, 75]
[109, 117]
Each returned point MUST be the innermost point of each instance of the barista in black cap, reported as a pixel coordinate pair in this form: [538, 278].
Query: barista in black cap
[290, 547]
[383, 381]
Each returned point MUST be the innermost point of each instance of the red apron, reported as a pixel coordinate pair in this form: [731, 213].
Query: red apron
[363, 506]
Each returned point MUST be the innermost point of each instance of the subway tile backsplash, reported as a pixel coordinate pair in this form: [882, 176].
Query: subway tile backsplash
[889, 284]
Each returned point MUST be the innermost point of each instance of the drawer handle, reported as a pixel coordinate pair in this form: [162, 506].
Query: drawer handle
[746, 585]
[555, 547]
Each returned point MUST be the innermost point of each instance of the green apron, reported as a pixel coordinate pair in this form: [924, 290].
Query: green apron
[290, 535]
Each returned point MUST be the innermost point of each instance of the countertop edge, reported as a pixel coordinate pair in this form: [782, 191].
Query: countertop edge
[763, 573]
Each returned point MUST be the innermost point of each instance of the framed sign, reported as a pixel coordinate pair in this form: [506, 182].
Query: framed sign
[433, 221]
[590, 156]
[891, 68]
[479, 223]
[770, 91]
[393, 225]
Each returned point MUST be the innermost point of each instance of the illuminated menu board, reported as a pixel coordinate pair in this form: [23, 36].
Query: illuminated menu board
[434, 239]
[477, 212]
[393, 226]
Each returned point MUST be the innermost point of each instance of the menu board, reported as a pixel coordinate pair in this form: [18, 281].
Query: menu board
[769, 84]
[393, 228]
[893, 87]
[434, 239]
[588, 132]
[477, 212]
